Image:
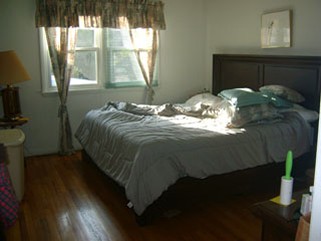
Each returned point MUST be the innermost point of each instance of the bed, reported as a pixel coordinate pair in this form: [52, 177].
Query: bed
[150, 150]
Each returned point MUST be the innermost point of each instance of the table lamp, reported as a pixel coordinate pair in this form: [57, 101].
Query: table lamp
[11, 72]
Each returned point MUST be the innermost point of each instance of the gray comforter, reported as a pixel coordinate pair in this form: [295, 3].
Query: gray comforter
[148, 148]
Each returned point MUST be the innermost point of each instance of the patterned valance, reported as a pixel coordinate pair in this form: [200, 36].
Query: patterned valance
[100, 13]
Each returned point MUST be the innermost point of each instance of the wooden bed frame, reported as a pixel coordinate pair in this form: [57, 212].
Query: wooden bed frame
[301, 73]
[229, 71]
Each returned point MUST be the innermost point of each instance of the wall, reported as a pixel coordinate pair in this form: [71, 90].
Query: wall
[182, 69]
[234, 27]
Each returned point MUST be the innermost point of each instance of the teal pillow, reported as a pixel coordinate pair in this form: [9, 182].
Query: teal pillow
[277, 101]
[240, 97]
[284, 92]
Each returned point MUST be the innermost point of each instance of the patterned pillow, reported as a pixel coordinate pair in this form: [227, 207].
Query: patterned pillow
[284, 92]
[236, 117]
[253, 114]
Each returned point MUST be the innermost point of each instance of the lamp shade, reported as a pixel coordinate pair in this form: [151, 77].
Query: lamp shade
[11, 69]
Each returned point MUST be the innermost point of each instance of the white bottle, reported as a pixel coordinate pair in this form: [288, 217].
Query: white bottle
[306, 203]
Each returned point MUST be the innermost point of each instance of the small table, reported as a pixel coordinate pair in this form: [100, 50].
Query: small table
[13, 123]
[279, 223]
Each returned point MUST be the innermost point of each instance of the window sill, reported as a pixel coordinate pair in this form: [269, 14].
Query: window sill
[75, 90]
[96, 90]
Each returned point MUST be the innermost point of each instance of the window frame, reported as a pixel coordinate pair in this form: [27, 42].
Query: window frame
[108, 74]
[46, 65]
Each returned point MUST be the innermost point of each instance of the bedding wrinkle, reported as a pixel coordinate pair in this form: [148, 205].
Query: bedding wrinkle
[299, 142]
[146, 154]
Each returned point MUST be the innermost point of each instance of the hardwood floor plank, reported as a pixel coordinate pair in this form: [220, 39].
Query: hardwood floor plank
[67, 199]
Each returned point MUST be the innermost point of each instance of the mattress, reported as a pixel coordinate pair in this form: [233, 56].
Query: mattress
[146, 152]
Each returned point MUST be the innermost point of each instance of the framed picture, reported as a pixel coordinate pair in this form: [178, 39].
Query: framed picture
[276, 29]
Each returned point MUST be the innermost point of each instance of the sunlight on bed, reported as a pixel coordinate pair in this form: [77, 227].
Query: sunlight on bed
[217, 125]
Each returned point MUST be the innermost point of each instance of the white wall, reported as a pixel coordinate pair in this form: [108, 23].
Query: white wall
[234, 27]
[182, 69]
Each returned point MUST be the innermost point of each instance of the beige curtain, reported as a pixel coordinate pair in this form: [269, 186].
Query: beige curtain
[146, 60]
[61, 44]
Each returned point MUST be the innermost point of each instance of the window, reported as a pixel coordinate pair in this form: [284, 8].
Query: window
[85, 73]
[104, 58]
[122, 68]
[86, 58]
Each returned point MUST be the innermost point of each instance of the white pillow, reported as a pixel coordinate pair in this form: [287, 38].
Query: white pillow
[203, 99]
[308, 115]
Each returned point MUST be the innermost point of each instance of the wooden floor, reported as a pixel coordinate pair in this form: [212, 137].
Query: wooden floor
[67, 198]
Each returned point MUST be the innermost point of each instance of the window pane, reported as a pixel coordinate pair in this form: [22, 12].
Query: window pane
[84, 70]
[85, 38]
[123, 67]
[118, 38]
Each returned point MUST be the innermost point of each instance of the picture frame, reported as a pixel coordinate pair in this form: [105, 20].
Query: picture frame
[276, 29]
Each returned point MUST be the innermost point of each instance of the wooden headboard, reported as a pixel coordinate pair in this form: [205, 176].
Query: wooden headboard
[302, 73]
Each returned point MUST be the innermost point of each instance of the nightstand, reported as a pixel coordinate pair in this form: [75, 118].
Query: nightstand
[4, 123]
[279, 223]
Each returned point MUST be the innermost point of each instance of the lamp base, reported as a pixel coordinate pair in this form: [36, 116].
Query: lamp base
[11, 103]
